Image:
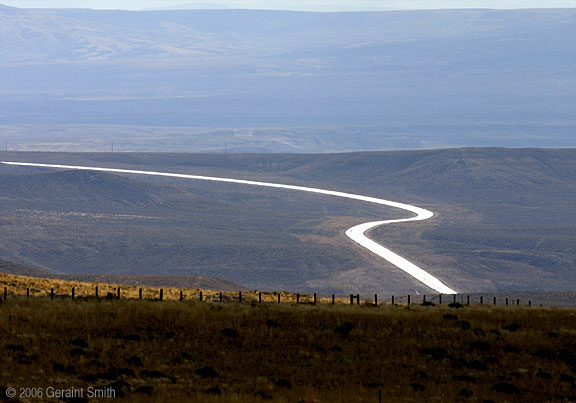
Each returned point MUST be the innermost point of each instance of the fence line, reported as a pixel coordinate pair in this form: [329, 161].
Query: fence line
[458, 300]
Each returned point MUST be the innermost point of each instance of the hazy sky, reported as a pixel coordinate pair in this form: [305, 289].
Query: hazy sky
[306, 5]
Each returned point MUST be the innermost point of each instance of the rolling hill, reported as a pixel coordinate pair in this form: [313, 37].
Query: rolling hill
[503, 219]
[199, 282]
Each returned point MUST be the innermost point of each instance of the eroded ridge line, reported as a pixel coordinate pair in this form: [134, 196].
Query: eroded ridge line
[356, 233]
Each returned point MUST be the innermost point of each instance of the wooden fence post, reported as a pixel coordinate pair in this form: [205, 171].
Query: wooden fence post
[494, 300]
[481, 300]
[314, 298]
[181, 295]
[375, 299]
[27, 292]
[96, 291]
[392, 299]
[454, 301]
[468, 300]
[408, 299]
[5, 293]
[333, 299]
[118, 292]
[351, 299]
[506, 301]
[278, 297]
[358, 299]
[140, 293]
[529, 303]
[240, 296]
[439, 299]
[297, 298]
[201, 296]
[73, 292]
[259, 297]
[518, 302]
[161, 294]
[221, 296]
[51, 293]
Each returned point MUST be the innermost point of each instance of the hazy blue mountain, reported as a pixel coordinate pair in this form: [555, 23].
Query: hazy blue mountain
[469, 70]
[191, 6]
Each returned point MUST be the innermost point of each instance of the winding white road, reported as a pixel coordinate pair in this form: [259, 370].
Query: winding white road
[356, 233]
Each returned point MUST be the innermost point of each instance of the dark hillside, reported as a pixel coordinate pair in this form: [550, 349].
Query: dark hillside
[503, 218]
[95, 223]
[518, 178]
[206, 283]
[79, 185]
[22, 270]
[457, 174]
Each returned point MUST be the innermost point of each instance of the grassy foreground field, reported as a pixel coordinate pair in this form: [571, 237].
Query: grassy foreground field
[16, 285]
[206, 351]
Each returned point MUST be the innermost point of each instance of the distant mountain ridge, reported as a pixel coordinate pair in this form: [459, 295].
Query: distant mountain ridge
[378, 80]
[190, 6]
[47, 36]
[78, 34]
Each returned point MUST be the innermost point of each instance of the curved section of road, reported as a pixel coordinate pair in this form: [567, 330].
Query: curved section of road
[356, 233]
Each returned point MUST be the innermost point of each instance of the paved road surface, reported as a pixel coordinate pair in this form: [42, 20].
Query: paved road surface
[357, 233]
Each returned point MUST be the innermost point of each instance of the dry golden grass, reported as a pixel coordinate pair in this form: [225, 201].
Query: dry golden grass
[231, 352]
[41, 287]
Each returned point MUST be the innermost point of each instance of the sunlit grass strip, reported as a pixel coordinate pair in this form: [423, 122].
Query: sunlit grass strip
[42, 287]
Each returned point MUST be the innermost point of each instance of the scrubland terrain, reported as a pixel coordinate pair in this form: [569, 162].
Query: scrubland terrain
[502, 223]
[199, 351]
